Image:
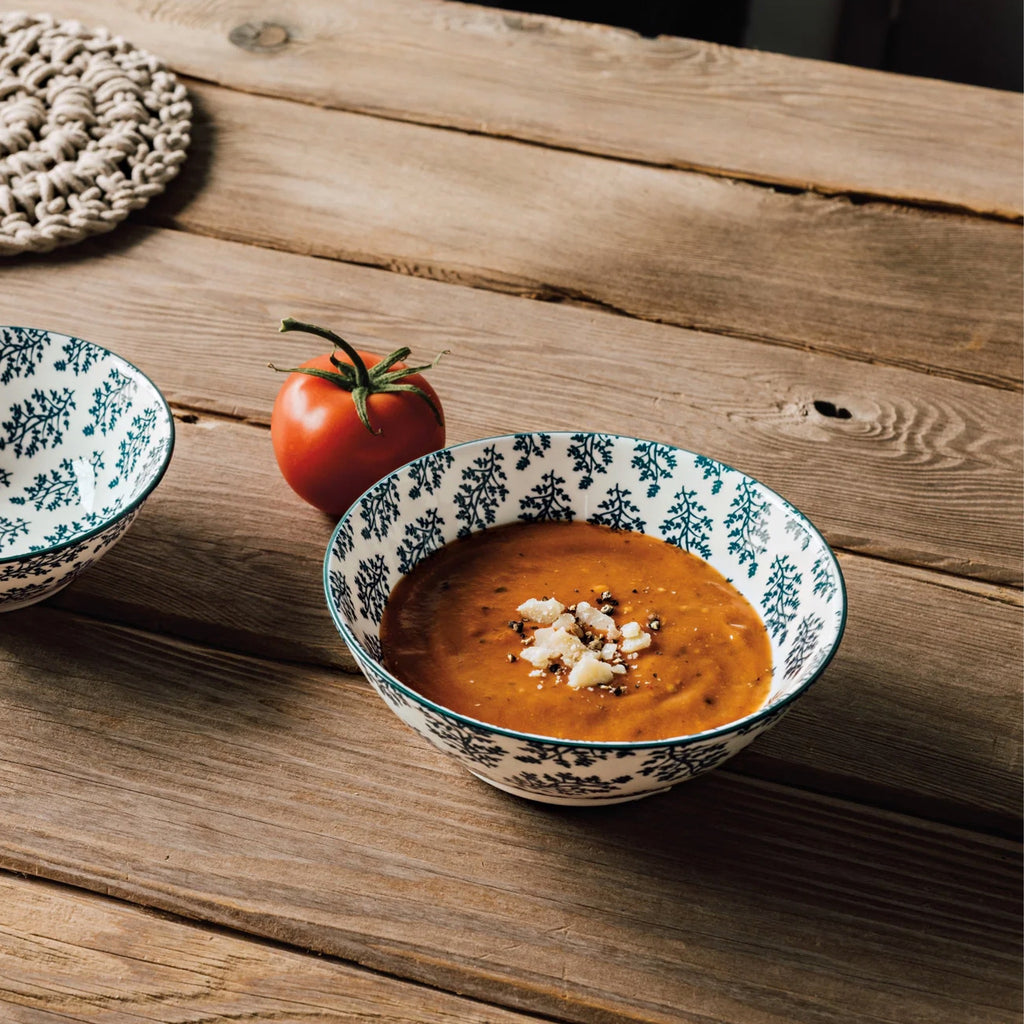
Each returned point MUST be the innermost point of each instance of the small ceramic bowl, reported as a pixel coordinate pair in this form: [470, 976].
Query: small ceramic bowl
[756, 539]
[84, 439]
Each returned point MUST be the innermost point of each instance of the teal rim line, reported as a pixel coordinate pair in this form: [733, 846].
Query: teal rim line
[361, 654]
[94, 531]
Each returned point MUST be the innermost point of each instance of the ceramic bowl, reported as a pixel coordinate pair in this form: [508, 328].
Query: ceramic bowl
[755, 538]
[84, 439]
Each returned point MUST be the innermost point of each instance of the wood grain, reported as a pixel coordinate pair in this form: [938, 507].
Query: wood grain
[924, 470]
[676, 102]
[288, 802]
[870, 282]
[70, 955]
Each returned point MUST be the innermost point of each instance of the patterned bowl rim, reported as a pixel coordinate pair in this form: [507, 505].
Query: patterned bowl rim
[737, 725]
[94, 531]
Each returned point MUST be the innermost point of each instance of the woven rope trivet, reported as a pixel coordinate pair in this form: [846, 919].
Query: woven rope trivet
[90, 129]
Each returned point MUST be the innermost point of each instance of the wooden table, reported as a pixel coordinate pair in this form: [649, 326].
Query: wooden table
[811, 272]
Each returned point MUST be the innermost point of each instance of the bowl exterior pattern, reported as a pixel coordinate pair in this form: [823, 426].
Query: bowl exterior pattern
[759, 541]
[84, 439]
[25, 581]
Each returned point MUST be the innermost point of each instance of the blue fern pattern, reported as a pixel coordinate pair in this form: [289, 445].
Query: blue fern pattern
[63, 532]
[5, 478]
[686, 526]
[78, 355]
[344, 539]
[680, 761]
[372, 644]
[341, 594]
[389, 691]
[798, 532]
[824, 580]
[781, 597]
[565, 783]
[530, 445]
[21, 350]
[37, 591]
[38, 422]
[379, 509]
[134, 444]
[11, 530]
[422, 538]
[711, 470]
[118, 530]
[67, 531]
[40, 565]
[52, 490]
[427, 474]
[481, 492]
[470, 742]
[152, 457]
[591, 453]
[567, 756]
[372, 588]
[109, 402]
[655, 462]
[619, 512]
[548, 500]
[746, 527]
[804, 643]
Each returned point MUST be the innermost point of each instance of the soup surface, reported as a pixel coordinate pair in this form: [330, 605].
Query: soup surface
[668, 647]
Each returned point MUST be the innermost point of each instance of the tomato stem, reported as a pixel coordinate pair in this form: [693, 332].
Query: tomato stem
[357, 378]
[362, 374]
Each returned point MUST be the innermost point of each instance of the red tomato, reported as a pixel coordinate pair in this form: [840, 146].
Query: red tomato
[323, 448]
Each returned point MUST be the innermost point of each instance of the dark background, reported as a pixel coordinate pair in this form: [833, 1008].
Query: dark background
[975, 41]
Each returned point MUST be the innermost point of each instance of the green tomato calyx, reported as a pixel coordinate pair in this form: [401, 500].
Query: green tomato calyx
[358, 378]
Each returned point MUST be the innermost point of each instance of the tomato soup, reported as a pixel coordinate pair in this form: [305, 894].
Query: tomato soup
[577, 631]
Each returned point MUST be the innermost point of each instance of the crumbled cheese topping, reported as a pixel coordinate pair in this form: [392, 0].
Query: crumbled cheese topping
[580, 639]
[590, 671]
[634, 638]
[593, 618]
[544, 612]
[552, 643]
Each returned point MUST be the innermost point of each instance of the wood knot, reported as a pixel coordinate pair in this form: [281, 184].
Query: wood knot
[518, 23]
[261, 37]
[831, 410]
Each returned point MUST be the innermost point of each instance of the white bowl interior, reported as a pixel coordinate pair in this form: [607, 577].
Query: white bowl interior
[757, 540]
[84, 437]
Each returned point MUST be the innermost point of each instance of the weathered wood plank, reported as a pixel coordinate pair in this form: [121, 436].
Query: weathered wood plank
[70, 955]
[924, 470]
[289, 803]
[668, 101]
[877, 283]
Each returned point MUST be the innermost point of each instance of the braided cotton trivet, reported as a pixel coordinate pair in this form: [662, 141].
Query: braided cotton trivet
[90, 129]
